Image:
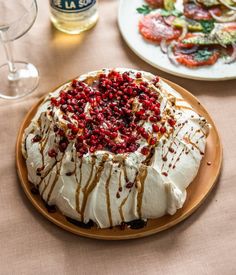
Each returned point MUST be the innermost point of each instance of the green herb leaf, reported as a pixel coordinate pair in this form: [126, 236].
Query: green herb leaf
[202, 55]
[145, 9]
[207, 25]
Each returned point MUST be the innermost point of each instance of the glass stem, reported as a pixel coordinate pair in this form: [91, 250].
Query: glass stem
[9, 56]
[10, 62]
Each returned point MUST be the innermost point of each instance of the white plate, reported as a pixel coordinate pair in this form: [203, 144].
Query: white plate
[128, 19]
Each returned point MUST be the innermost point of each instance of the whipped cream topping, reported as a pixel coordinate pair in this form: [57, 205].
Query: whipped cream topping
[114, 187]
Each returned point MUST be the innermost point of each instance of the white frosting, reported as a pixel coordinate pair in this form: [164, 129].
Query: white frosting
[160, 187]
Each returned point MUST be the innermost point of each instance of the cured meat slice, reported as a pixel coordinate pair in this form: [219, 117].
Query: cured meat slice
[197, 12]
[155, 3]
[154, 27]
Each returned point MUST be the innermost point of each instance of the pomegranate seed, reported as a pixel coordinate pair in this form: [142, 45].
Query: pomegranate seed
[153, 119]
[157, 111]
[62, 146]
[54, 102]
[64, 107]
[146, 104]
[74, 130]
[133, 147]
[82, 116]
[163, 129]
[113, 135]
[138, 75]
[69, 96]
[129, 184]
[141, 130]
[158, 118]
[71, 137]
[74, 101]
[81, 125]
[140, 112]
[156, 80]
[100, 117]
[52, 153]
[80, 138]
[171, 122]
[145, 135]
[99, 147]
[155, 128]
[62, 101]
[37, 138]
[61, 133]
[75, 117]
[152, 141]
[74, 83]
[145, 151]
[92, 149]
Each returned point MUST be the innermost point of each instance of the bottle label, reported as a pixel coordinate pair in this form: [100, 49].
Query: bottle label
[72, 6]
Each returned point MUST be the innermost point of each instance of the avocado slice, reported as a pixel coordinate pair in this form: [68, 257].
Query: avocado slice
[169, 5]
[192, 25]
[220, 35]
[201, 39]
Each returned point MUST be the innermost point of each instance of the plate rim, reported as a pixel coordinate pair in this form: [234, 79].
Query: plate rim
[136, 233]
[170, 71]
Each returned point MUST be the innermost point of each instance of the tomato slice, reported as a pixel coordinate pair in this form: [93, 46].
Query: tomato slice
[198, 12]
[155, 3]
[154, 28]
[200, 57]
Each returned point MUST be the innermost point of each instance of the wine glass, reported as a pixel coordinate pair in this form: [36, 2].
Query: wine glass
[18, 78]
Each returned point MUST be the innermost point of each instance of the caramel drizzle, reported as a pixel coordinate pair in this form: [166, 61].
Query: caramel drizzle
[108, 198]
[178, 157]
[148, 159]
[184, 149]
[188, 140]
[121, 208]
[84, 190]
[164, 156]
[120, 186]
[91, 79]
[125, 170]
[43, 141]
[182, 107]
[140, 185]
[54, 182]
[78, 181]
[49, 171]
[91, 184]
[46, 185]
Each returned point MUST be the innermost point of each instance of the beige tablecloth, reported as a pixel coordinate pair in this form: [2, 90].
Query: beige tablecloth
[29, 244]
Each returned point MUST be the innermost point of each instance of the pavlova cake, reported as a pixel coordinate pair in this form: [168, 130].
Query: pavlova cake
[114, 146]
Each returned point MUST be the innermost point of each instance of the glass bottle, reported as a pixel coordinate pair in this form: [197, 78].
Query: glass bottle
[74, 16]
